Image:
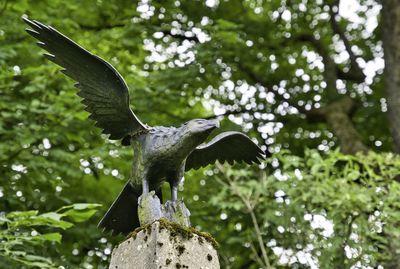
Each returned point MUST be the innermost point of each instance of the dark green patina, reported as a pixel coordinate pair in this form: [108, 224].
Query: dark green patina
[160, 153]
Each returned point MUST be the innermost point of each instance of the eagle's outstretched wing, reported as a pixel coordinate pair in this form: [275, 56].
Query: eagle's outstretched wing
[225, 147]
[102, 88]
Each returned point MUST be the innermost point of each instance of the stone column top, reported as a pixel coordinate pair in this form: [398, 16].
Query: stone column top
[164, 244]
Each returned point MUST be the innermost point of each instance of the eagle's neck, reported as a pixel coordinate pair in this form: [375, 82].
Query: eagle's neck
[188, 140]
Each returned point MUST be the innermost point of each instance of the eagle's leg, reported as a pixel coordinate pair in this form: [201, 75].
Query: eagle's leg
[145, 186]
[175, 210]
[174, 184]
[174, 192]
[149, 207]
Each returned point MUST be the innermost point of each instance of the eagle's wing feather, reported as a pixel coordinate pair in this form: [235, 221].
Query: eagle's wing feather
[104, 92]
[225, 147]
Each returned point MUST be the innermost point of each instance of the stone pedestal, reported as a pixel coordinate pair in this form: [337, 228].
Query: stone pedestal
[163, 244]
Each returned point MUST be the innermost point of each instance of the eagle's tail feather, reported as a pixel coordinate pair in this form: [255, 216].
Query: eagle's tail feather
[122, 216]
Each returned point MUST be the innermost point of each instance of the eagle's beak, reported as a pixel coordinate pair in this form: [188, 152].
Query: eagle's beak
[213, 124]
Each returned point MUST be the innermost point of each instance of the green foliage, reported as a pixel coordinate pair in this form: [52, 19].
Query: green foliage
[25, 235]
[335, 210]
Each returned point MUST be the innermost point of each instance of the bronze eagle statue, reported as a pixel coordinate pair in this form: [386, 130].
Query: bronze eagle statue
[160, 153]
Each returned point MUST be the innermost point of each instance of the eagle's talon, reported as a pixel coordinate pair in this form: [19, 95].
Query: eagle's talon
[174, 206]
[171, 205]
[140, 201]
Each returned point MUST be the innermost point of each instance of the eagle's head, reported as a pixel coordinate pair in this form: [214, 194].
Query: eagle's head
[201, 126]
[195, 132]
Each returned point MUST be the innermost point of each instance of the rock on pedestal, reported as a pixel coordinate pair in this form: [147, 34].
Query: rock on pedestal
[150, 209]
[164, 244]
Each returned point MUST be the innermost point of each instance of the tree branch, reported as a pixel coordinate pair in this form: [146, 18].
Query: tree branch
[250, 209]
[228, 113]
[355, 68]
[351, 75]
[180, 36]
[101, 27]
[259, 80]
[337, 116]
[337, 113]
[4, 7]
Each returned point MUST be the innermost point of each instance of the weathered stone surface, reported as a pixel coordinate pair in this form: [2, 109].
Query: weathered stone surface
[158, 246]
[177, 212]
[150, 209]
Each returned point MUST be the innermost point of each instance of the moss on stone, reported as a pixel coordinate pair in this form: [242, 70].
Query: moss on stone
[201, 240]
[186, 232]
[176, 230]
[178, 266]
[134, 233]
[180, 249]
[149, 230]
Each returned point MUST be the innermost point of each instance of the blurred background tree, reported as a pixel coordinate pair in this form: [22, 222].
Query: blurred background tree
[294, 74]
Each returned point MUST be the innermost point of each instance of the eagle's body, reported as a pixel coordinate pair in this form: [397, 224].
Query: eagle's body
[160, 153]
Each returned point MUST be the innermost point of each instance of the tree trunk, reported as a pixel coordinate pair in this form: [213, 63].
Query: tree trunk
[391, 46]
[337, 115]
